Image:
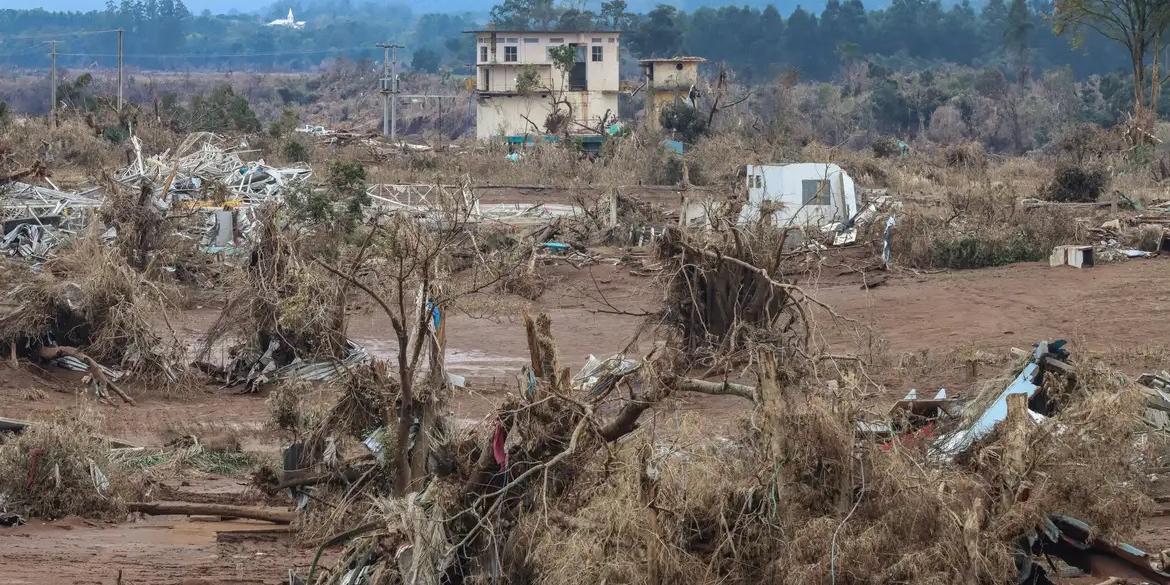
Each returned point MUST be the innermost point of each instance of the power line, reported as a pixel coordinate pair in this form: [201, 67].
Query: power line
[193, 55]
[56, 35]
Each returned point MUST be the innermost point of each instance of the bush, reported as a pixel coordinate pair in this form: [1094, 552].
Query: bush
[1085, 143]
[1075, 184]
[971, 251]
[285, 125]
[220, 111]
[1161, 168]
[295, 151]
[886, 148]
[672, 172]
[969, 155]
[684, 121]
[115, 134]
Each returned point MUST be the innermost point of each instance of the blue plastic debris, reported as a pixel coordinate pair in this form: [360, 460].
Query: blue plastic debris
[1027, 383]
[558, 246]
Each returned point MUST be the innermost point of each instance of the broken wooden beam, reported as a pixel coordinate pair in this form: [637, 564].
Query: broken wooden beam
[190, 509]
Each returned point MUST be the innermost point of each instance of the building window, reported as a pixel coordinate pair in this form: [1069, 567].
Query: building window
[483, 54]
[511, 40]
[597, 40]
[557, 41]
[612, 40]
[597, 54]
[510, 54]
[815, 192]
[531, 40]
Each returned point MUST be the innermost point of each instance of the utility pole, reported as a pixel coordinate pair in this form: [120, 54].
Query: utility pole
[120, 76]
[389, 89]
[53, 85]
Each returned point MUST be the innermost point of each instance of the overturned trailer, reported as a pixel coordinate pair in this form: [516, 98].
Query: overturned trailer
[799, 194]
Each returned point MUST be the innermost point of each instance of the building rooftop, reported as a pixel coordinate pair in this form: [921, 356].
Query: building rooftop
[673, 60]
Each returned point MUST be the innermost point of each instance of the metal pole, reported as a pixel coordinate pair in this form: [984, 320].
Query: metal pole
[120, 75]
[53, 85]
[385, 96]
[394, 92]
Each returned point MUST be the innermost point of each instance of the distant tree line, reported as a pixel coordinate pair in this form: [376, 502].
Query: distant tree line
[761, 43]
[756, 43]
[165, 34]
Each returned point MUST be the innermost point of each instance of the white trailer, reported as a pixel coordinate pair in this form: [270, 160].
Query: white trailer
[800, 194]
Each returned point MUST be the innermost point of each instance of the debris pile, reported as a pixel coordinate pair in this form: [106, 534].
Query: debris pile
[86, 306]
[61, 468]
[35, 220]
[202, 172]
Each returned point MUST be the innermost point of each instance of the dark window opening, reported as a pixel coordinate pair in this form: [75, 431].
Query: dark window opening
[597, 54]
[578, 80]
[815, 192]
[510, 54]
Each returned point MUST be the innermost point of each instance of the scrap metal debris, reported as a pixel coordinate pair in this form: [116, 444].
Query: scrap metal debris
[1045, 357]
[203, 163]
[1076, 544]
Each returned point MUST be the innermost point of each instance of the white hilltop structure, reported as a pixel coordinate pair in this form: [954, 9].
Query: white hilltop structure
[289, 22]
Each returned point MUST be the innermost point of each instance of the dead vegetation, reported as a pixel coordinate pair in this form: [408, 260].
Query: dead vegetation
[575, 479]
[63, 468]
[88, 301]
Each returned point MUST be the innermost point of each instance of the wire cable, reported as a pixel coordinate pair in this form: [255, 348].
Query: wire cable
[54, 35]
[213, 55]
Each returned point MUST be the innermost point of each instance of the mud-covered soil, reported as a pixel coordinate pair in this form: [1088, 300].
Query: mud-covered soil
[915, 330]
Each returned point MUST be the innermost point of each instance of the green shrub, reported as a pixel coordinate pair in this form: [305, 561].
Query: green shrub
[971, 251]
[115, 134]
[886, 148]
[1075, 184]
[285, 125]
[295, 151]
[684, 121]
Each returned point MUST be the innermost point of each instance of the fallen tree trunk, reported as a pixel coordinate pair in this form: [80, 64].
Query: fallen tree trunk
[54, 352]
[189, 509]
[716, 388]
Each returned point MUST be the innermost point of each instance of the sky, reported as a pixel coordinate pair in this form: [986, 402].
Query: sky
[85, 5]
[420, 6]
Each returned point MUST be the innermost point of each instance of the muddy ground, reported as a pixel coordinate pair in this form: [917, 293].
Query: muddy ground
[914, 330]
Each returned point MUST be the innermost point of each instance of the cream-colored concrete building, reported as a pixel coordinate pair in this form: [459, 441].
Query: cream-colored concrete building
[590, 86]
[668, 80]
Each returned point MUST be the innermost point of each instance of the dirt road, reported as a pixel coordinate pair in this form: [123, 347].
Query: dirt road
[1109, 307]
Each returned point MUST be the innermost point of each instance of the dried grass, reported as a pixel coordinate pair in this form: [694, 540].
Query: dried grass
[283, 296]
[770, 508]
[89, 297]
[62, 468]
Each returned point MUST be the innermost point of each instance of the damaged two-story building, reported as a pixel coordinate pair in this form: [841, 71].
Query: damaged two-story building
[509, 104]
